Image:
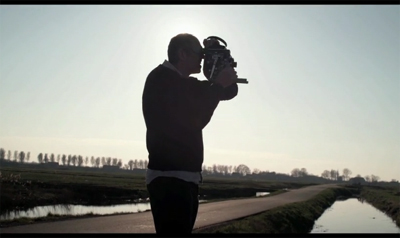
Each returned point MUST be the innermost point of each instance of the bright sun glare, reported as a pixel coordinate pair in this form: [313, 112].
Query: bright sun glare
[190, 24]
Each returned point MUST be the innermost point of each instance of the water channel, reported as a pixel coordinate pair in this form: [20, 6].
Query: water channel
[354, 216]
[74, 210]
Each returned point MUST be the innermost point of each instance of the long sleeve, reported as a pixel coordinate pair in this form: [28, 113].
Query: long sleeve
[191, 103]
[176, 110]
[172, 102]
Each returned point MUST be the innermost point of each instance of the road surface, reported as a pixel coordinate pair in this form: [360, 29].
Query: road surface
[208, 214]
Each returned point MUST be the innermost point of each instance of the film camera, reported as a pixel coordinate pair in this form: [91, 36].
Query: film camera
[217, 57]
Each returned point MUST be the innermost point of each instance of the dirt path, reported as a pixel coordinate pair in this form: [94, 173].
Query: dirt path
[209, 214]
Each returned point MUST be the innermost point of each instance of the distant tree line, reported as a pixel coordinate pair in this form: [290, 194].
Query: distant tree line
[326, 174]
[17, 157]
[226, 170]
[215, 170]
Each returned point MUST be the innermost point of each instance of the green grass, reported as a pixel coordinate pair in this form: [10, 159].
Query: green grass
[57, 176]
[386, 199]
[229, 182]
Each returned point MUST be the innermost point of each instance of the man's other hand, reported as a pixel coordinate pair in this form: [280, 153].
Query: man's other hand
[226, 77]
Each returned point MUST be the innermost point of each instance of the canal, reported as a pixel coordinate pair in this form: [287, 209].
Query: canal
[76, 210]
[354, 216]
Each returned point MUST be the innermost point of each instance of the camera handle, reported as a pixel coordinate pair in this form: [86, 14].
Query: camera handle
[241, 80]
[217, 38]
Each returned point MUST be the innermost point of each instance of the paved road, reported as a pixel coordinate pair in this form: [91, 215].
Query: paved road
[209, 214]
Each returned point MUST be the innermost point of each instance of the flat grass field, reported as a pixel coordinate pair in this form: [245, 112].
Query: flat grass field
[58, 176]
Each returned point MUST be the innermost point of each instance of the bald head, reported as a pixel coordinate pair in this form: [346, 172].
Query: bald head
[183, 41]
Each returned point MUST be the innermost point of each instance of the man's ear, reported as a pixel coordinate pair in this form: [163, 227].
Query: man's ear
[182, 54]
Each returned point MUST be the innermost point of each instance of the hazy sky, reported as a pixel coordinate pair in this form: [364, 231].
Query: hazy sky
[323, 92]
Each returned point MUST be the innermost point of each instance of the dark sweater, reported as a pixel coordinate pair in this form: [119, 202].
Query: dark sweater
[175, 111]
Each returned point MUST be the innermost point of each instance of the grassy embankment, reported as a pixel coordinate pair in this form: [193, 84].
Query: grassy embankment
[386, 199]
[296, 217]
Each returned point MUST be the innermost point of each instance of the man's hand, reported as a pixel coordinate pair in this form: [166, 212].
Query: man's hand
[226, 77]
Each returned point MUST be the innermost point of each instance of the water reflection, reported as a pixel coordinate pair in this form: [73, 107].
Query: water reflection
[43, 211]
[260, 194]
[354, 216]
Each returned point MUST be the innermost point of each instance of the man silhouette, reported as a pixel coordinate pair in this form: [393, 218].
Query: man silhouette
[176, 108]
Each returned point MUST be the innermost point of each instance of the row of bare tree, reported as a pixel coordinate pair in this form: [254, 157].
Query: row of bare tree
[72, 160]
[334, 175]
[78, 160]
[225, 169]
[17, 156]
[326, 174]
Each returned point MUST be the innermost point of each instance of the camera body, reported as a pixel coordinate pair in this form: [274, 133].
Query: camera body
[217, 57]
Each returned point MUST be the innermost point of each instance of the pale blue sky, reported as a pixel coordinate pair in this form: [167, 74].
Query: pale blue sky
[323, 92]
